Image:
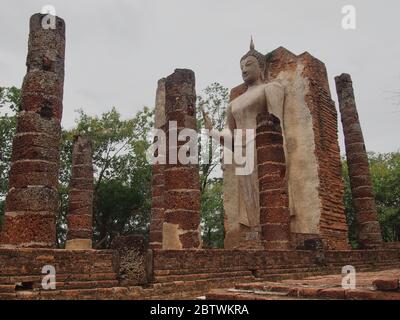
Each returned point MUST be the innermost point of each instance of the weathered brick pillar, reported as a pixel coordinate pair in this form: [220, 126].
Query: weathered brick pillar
[32, 201]
[274, 201]
[158, 180]
[369, 232]
[182, 187]
[80, 200]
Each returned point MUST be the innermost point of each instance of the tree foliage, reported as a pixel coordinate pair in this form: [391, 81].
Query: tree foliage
[215, 100]
[212, 214]
[9, 105]
[385, 174]
[348, 206]
[122, 173]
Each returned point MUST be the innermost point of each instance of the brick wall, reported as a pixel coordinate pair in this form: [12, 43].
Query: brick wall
[333, 226]
[220, 260]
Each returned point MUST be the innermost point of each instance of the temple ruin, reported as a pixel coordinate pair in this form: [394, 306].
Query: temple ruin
[293, 227]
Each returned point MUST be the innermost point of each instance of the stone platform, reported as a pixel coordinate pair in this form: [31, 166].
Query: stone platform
[378, 285]
[174, 274]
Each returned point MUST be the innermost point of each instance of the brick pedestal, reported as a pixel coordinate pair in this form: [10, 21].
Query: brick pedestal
[369, 232]
[32, 201]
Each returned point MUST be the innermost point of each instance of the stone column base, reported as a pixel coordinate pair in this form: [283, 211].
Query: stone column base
[78, 244]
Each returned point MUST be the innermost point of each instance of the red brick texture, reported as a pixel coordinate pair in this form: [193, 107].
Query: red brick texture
[269, 263]
[369, 232]
[178, 274]
[158, 178]
[32, 201]
[157, 206]
[80, 201]
[333, 226]
[386, 284]
[182, 187]
[76, 272]
[274, 211]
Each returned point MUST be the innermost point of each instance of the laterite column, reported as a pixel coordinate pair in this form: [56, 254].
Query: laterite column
[274, 203]
[181, 228]
[32, 201]
[158, 179]
[369, 231]
[80, 201]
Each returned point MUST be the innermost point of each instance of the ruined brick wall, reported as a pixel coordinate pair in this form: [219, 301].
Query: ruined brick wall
[333, 225]
[77, 270]
[80, 196]
[169, 262]
[224, 260]
[332, 221]
[32, 201]
[92, 274]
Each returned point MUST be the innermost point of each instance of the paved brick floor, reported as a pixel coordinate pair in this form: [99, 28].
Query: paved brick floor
[318, 287]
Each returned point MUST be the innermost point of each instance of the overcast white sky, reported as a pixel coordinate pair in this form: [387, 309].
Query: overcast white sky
[117, 50]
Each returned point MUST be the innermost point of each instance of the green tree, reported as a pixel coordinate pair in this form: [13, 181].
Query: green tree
[348, 206]
[212, 214]
[63, 187]
[385, 174]
[122, 179]
[122, 194]
[9, 105]
[215, 100]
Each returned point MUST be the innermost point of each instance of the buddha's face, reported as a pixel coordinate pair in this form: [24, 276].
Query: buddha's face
[251, 71]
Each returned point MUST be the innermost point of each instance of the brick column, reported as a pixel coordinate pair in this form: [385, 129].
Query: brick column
[32, 201]
[369, 232]
[158, 180]
[80, 198]
[182, 187]
[157, 206]
[274, 203]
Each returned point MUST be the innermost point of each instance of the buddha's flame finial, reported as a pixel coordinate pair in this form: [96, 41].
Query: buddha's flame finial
[254, 53]
[252, 44]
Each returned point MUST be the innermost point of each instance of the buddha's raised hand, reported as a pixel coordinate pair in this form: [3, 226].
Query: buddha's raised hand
[207, 122]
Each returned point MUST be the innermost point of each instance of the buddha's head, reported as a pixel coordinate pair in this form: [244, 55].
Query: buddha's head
[252, 65]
